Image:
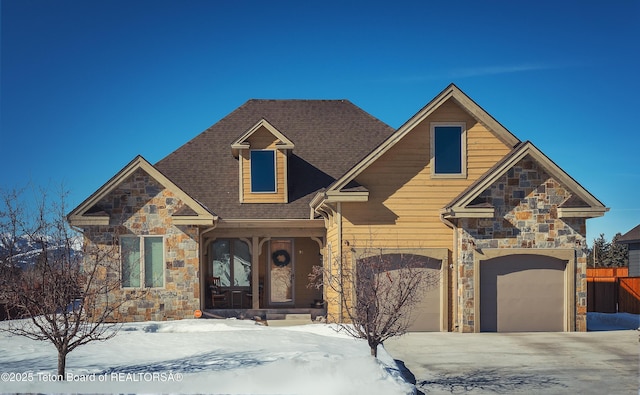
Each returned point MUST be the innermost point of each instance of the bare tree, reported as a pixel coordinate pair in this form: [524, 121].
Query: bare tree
[50, 293]
[376, 291]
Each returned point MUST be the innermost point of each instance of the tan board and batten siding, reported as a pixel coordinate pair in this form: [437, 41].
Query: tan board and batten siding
[263, 139]
[405, 201]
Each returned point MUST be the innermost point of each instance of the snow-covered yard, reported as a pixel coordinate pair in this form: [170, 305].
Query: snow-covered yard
[205, 356]
[218, 357]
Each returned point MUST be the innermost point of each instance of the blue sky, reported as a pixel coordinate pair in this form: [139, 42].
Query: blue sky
[88, 85]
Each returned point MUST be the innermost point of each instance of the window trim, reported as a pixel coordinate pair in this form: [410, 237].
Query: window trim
[142, 261]
[275, 170]
[463, 147]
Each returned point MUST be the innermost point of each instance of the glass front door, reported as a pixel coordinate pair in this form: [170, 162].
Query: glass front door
[281, 272]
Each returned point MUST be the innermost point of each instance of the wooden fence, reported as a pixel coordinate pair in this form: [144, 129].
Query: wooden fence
[610, 290]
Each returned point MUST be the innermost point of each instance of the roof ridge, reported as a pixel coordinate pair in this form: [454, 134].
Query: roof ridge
[301, 100]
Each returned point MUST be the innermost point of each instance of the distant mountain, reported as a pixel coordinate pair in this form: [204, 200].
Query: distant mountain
[26, 251]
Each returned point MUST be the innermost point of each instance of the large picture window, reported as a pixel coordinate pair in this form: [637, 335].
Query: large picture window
[231, 261]
[448, 150]
[142, 262]
[263, 171]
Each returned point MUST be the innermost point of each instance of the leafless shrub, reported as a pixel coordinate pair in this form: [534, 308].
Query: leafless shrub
[376, 291]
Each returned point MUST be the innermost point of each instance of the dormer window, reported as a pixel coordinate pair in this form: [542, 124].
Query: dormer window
[262, 153]
[263, 171]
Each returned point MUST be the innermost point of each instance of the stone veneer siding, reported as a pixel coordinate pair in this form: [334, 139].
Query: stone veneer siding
[526, 200]
[141, 206]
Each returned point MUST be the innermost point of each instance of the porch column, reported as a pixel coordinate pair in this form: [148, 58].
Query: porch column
[255, 273]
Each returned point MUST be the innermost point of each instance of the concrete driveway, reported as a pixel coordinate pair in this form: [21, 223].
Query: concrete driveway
[531, 363]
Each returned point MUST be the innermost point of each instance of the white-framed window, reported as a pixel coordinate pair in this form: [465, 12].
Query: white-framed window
[448, 149]
[142, 260]
[263, 171]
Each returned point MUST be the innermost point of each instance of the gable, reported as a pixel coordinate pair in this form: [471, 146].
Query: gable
[452, 100]
[262, 164]
[261, 135]
[89, 212]
[476, 201]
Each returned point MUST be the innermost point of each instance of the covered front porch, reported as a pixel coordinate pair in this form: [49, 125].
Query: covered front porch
[256, 268]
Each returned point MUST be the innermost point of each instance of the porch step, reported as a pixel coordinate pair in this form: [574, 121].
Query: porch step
[276, 319]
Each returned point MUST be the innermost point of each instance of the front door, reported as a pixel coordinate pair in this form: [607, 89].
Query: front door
[281, 272]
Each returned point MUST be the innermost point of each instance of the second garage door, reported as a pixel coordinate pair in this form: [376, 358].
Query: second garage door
[522, 293]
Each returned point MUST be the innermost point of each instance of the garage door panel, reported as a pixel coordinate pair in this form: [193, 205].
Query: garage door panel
[522, 293]
[425, 315]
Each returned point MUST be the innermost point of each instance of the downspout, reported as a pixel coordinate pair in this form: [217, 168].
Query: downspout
[341, 293]
[454, 265]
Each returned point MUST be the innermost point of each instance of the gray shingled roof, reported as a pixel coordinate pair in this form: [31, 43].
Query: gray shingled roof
[330, 137]
[632, 236]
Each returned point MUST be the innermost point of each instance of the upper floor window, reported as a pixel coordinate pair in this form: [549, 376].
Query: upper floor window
[448, 149]
[142, 262]
[263, 171]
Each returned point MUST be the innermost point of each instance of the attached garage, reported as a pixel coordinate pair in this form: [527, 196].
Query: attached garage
[430, 313]
[524, 293]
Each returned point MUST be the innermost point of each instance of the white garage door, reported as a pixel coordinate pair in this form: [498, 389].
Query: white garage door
[522, 293]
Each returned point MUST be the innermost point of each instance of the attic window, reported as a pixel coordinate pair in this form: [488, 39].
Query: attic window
[263, 171]
[448, 149]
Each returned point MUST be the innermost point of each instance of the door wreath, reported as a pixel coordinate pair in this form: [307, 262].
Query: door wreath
[281, 258]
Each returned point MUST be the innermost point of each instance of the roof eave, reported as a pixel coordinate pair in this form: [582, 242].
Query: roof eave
[78, 220]
[581, 212]
[270, 223]
[317, 200]
[339, 196]
[461, 212]
[194, 220]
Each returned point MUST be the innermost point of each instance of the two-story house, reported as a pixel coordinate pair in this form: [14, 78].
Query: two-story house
[235, 219]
